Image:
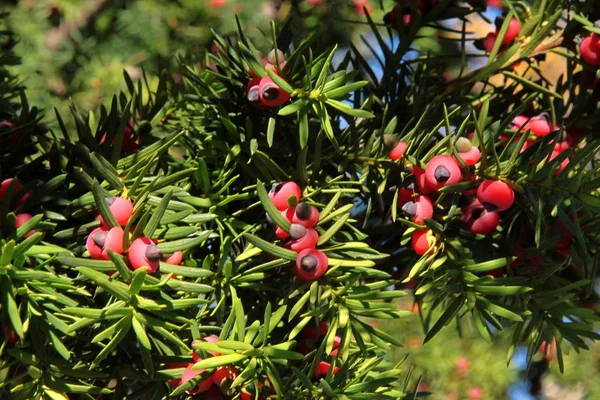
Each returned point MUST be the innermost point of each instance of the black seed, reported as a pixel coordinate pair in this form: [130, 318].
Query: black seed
[390, 141]
[477, 213]
[110, 201]
[309, 263]
[99, 238]
[303, 211]
[498, 22]
[153, 253]
[410, 182]
[490, 207]
[479, 44]
[276, 187]
[441, 174]
[271, 93]
[545, 116]
[297, 231]
[410, 208]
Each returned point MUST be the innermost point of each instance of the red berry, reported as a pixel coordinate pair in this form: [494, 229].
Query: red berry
[442, 171]
[311, 264]
[17, 188]
[323, 368]
[144, 253]
[270, 94]
[421, 241]
[307, 240]
[419, 209]
[129, 143]
[100, 240]
[314, 333]
[422, 186]
[514, 28]
[398, 151]
[590, 50]
[467, 152]
[252, 92]
[177, 381]
[479, 219]
[519, 122]
[336, 346]
[540, 125]
[303, 214]
[490, 41]
[175, 258]
[121, 209]
[190, 373]
[497, 193]
[223, 376]
[281, 192]
[21, 219]
[9, 334]
[209, 339]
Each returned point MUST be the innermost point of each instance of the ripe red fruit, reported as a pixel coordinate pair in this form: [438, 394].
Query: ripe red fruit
[17, 187]
[397, 152]
[540, 125]
[467, 152]
[497, 193]
[519, 122]
[442, 171]
[209, 339]
[303, 214]
[175, 258]
[121, 209]
[281, 192]
[419, 209]
[480, 219]
[21, 219]
[302, 238]
[252, 92]
[489, 42]
[422, 186]
[514, 28]
[270, 94]
[100, 240]
[314, 333]
[144, 253]
[422, 240]
[223, 376]
[311, 264]
[323, 368]
[590, 50]
[177, 381]
[190, 373]
[129, 143]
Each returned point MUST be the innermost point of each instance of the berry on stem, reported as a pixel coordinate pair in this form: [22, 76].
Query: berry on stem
[303, 214]
[270, 94]
[100, 240]
[190, 373]
[21, 219]
[121, 209]
[323, 368]
[498, 193]
[419, 209]
[422, 240]
[441, 171]
[311, 264]
[482, 219]
[144, 253]
[589, 49]
[467, 152]
[302, 238]
[281, 192]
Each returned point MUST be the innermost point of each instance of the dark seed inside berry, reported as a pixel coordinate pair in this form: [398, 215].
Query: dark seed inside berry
[309, 263]
[303, 211]
[390, 141]
[410, 183]
[441, 174]
[545, 116]
[410, 208]
[477, 213]
[405, 10]
[271, 93]
[297, 231]
[276, 187]
[109, 200]
[153, 253]
[490, 207]
[498, 22]
[99, 238]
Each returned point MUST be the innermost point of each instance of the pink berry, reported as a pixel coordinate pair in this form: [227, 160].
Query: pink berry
[304, 214]
[422, 186]
[490, 41]
[302, 238]
[481, 220]
[397, 152]
[21, 219]
[419, 209]
[144, 253]
[420, 241]
[323, 368]
[100, 240]
[270, 94]
[280, 193]
[590, 50]
[121, 209]
[311, 264]
[190, 373]
[175, 258]
[442, 171]
[498, 193]
[514, 28]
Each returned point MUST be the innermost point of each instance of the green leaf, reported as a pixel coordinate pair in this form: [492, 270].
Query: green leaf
[446, 316]
[157, 214]
[103, 208]
[215, 362]
[183, 244]
[271, 248]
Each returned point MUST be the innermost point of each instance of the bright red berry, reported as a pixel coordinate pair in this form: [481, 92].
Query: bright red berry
[498, 193]
[302, 238]
[190, 373]
[9, 334]
[177, 381]
[419, 209]
[489, 41]
[121, 209]
[175, 258]
[422, 186]
[17, 189]
[311, 264]
[281, 193]
[144, 253]
[467, 152]
[323, 368]
[422, 240]
[590, 50]
[514, 28]
[303, 214]
[540, 125]
[223, 376]
[481, 220]
[442, 171]
[270, 94]
[252, 92]
[100, 240]
[397, 152]
[21, 219]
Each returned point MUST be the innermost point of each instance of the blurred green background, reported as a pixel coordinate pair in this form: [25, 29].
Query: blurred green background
[76, 50]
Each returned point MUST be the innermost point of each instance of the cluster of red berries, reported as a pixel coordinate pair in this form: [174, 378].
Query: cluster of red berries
[540, 126]
[143, 252]
[589, 49]
[405, 13]
[312, 338]
[302, 236]
[415, 200]
[17, 189]
[514, 28]
[262, 92]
